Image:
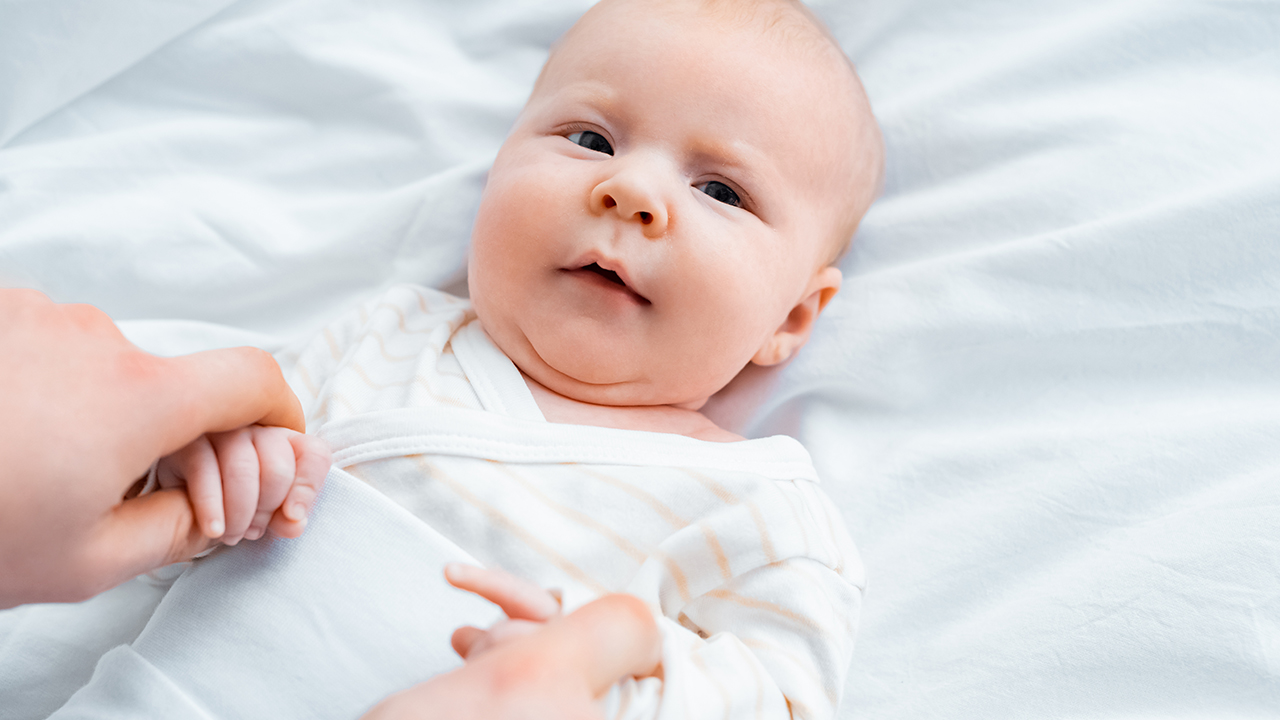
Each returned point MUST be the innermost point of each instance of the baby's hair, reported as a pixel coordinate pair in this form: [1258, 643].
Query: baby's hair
[790, 19]
[798, 27]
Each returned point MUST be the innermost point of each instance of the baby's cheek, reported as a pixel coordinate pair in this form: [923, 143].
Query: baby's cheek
[704, 354]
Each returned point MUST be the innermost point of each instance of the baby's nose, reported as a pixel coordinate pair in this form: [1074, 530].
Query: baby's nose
[635, 197]
[645, 216]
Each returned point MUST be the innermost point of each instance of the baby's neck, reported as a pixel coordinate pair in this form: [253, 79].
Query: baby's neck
[651, 418]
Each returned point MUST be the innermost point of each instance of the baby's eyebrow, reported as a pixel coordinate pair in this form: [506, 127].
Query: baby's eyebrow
[746, 165]
[595, 94]
[738, 156]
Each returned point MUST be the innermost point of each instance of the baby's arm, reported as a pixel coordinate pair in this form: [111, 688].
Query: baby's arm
[243, 482]
[773, 642]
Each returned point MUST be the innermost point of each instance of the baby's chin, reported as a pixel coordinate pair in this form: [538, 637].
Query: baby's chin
[600, 371]
[577, 376]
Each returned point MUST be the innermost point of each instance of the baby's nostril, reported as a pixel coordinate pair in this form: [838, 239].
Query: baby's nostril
[609, 202]
[646, 218]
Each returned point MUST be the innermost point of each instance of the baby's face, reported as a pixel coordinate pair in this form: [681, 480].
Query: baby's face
[667, 198]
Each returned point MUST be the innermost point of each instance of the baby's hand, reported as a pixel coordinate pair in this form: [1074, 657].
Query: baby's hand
[243, 482]
[527, 606]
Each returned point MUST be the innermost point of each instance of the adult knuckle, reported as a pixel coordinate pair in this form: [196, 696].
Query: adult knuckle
[87, 317]
[508, 677]
[629, 604]
[138, 370]
[25, 299]
[257, 359]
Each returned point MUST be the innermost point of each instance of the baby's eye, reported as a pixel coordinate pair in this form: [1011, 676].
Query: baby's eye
[591, 141]
[723, 193]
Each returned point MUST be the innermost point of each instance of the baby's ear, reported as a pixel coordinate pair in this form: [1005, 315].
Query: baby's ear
[793, 333]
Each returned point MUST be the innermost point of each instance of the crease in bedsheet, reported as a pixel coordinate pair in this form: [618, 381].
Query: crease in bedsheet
[1251, 191]
[55, 51]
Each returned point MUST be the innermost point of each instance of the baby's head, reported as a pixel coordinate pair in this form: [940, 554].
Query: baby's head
[671, 200]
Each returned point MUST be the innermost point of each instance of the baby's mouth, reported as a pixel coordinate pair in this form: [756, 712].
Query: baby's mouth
[609, 275]
[614, 278]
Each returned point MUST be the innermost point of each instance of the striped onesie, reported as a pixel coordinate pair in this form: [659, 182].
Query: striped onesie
[744, 562]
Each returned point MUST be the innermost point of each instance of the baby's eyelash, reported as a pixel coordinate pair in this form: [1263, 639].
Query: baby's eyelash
[573, 128]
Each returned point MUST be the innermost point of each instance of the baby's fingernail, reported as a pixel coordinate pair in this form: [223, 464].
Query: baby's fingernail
[253, 534]
[216, 528]
[296, 512]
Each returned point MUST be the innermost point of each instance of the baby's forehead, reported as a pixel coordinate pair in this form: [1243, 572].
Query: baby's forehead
[763, 37]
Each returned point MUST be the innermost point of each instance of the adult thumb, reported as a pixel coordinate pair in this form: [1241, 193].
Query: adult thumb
[144, 533]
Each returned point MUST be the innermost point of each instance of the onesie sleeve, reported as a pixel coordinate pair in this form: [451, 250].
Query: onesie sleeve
[773, 642]
[309, 364]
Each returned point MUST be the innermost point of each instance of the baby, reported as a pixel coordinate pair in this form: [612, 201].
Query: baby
[666, 210]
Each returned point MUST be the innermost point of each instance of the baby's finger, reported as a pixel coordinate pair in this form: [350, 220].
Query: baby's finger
[518, 598]
[196, 467]
[312, 458]
[276, 471]
[465, 639]
[238, 461]
[469, 641]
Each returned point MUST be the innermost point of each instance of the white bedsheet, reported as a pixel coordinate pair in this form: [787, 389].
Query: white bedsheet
[1047, 400]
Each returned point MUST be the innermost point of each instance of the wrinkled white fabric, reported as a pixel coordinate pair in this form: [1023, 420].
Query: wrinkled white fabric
[1045, 400]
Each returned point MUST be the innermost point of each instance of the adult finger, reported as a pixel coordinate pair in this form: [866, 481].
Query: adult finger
[140, 535]
[221, 390]
[276, 471]
[518, 598]
[89, 319]
[238, 464]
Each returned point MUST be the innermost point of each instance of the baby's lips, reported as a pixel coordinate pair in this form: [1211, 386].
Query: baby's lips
[613, 265]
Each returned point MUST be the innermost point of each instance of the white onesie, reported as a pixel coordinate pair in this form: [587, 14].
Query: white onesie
[743, 560]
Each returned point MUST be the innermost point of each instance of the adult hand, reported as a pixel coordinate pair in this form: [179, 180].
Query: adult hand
[514, 682]
[83, 413]
[556, 669]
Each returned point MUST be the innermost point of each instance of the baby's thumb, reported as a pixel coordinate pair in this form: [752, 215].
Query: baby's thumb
[148, 532]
